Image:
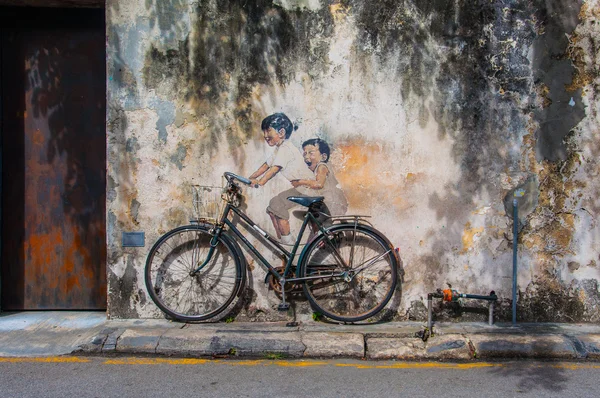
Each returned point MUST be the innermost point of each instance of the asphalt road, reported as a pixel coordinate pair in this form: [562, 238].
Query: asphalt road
[162, 377]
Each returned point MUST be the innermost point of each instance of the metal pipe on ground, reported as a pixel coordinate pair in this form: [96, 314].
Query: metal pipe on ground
[453, 295]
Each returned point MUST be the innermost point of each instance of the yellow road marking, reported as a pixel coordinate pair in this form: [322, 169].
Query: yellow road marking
[299, 363]
[46, 360]
[157, 361]
[290, 363]
[192, 361]
[248, 362]
[422, 365]
[575, 366]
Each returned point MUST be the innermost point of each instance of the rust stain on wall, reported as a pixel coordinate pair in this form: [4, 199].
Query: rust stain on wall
[583, 75]
[468, 237]
[339, 11]
[362, 174]
[553, 234]
[528, 155]
[544, 92]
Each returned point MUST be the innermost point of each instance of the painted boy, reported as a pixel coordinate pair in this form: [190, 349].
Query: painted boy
[289, 162]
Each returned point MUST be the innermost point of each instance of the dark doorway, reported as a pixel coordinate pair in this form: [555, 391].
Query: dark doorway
[53, 102]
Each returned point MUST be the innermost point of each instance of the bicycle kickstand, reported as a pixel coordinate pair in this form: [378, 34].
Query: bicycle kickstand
[283, 306]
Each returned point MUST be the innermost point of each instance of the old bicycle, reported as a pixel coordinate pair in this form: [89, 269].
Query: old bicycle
[347, 268]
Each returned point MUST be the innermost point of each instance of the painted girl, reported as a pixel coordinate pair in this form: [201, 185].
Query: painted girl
[323, 182]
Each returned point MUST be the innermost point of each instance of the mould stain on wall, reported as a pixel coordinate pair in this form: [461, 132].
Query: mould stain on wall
[234, 47]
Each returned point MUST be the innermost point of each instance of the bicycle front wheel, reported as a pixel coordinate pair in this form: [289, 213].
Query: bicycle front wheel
[177, 289]
[355, 270]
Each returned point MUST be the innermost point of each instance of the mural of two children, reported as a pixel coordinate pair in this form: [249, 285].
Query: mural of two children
[315, 180]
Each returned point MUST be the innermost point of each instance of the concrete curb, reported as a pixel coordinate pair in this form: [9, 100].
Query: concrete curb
[333, 345]
[340, 341]
[511, 346]
[138, 341]
[591, 345]
[249, 344]
[446, 347]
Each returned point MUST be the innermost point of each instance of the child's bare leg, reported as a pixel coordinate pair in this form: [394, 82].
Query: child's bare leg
[284, 226]
[283, 229]
[313, 230]
[274, 220]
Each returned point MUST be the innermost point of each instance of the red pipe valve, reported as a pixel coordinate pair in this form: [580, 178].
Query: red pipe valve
[451, 295]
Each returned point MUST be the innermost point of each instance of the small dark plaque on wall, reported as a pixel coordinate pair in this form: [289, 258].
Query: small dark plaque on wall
[133, 239]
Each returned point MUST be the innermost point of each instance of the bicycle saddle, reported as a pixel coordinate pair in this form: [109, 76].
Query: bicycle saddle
[306, 200]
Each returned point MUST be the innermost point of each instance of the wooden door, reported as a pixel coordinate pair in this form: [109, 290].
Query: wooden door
[53, 159]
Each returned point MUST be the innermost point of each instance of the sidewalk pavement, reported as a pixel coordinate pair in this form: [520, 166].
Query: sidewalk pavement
[90, 333]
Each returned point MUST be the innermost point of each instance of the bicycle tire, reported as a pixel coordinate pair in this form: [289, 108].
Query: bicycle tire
[368, 291]
[204, 295]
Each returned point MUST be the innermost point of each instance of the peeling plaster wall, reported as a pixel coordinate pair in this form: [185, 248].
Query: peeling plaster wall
[436, 112]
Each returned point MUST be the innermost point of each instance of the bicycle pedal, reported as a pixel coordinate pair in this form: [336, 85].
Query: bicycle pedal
[283, 307]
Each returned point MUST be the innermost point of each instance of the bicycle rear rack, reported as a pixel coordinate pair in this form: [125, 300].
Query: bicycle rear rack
[357, 219]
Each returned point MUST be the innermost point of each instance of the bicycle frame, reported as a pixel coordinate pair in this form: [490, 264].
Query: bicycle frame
[289, 256]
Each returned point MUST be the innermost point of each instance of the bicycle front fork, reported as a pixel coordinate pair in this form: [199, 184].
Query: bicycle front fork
[213, 244]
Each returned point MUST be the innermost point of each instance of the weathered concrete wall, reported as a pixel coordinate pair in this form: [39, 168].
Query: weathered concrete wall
[436, 112]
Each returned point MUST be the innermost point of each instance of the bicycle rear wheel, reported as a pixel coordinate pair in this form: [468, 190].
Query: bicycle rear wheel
[359, 269]
[189, 296]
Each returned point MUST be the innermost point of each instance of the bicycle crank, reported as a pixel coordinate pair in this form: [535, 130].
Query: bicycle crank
[276, 286]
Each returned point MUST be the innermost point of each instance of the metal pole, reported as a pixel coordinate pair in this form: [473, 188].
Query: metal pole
[429, 312]
[515, 239]
[491, 320]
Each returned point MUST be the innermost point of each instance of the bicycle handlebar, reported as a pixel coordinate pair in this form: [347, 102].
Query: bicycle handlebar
[241, 179]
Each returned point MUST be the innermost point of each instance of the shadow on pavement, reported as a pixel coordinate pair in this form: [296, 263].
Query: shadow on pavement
[536, 376]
